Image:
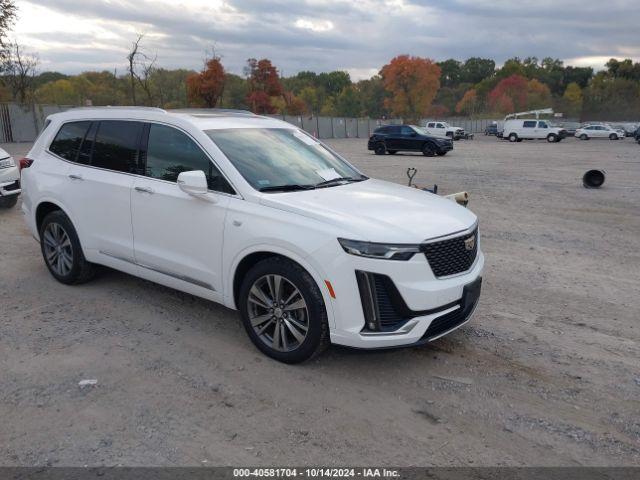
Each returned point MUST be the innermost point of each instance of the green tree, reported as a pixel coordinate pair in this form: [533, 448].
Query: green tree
[573, 99]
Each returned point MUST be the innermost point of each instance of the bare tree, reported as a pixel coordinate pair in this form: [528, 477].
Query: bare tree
[7, 17]
[19, 71]
[133, 54]
[141, 69]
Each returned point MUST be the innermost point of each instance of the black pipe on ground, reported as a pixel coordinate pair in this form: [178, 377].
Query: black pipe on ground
[593, 179]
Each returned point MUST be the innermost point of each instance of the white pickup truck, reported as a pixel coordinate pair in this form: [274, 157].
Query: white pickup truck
[443, 129]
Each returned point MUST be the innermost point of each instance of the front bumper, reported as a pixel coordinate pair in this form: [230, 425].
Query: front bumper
[441, 304]
[10, 188]
[445, 146]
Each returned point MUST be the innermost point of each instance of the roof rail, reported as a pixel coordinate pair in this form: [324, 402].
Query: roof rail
[120, 107]
[205, 111]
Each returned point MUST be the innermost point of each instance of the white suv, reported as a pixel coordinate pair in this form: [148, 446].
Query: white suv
[255, 214]
[9, 180]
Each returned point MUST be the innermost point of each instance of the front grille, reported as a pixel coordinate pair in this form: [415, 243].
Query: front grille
[449, 257]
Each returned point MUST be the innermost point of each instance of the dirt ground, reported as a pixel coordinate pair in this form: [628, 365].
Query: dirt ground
[546, 373]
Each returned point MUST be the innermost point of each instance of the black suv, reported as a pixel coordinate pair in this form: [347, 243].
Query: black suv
[407, 138]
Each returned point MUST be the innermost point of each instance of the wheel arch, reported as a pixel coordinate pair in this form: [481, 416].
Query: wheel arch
[44, 208]
[245, 260]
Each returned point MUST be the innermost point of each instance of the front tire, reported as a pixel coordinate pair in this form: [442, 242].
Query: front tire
[283, 311]
[551, 138]
[61, 250]
[8, 202]
[513, 138]
[427, 151]
[584, 137]
[613, 136]
[380, 149]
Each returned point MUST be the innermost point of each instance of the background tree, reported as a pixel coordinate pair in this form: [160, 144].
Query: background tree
[19, 72]
[264, 83]
[469, 103]
[509, 95]
[412, 83]
[573, 99]
[8, 13]
[207, 87]
[538, 95]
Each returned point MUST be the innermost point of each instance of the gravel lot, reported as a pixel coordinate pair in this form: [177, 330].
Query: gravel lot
[546, 373]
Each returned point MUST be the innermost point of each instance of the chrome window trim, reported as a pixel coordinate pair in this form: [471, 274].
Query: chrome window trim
[448, 236]
[236, 195]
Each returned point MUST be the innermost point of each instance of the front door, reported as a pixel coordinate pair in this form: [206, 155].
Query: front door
[176, 234]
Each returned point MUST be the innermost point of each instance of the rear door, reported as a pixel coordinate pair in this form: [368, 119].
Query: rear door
[394, 138]
[177, 235]
[99, 187]
[529, 129]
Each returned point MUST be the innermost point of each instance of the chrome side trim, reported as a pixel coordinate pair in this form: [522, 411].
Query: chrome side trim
[177, 276]
[459, 233]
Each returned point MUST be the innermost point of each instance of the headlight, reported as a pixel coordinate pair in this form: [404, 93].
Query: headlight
[384, 251]
[7, 162]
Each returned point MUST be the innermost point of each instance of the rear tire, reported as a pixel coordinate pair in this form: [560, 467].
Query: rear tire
[8, 202]
[613, 136]
[290, 334]
[62, 251]
[380, 149]
[427, 151]
[551, 138]
[513, 138]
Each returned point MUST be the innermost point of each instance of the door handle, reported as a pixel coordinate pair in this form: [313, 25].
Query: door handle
[75, 176]
[144, 189]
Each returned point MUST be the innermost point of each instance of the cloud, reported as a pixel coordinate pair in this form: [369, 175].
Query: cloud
[357, 36]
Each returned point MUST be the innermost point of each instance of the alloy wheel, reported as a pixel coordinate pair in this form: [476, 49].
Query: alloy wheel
[58, 250]
[278, 313]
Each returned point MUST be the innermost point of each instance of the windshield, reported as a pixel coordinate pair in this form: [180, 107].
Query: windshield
[270, 158]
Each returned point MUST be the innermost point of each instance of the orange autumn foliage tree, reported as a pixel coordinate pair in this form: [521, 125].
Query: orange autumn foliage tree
[509, 95]
[264, 84]
[206, 88]
[468, 103]
[412, 83]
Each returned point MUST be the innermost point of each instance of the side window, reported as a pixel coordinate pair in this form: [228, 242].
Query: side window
[529, 124]
[440, 125]
[116, 146]
[394, 130]
[69, 139]
[404, 130]
[84, 156]
[431, 125]
[542, 125]
[170, 152]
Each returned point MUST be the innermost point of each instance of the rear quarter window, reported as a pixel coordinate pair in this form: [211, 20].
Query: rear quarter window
[68, 140]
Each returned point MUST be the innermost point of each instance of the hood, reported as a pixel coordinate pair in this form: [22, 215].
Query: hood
[377, 211]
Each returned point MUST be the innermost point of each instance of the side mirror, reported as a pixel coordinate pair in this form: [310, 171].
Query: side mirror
[193, 182]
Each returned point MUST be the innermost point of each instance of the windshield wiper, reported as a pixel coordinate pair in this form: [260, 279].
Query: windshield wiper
[286, 188]
[339, 181]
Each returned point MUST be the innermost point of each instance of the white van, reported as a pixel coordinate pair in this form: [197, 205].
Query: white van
[520, 129]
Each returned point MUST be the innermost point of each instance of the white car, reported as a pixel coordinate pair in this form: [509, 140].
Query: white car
[443, 129]
[253, 213]
[599, 131]
[516, 130]
[9, 180]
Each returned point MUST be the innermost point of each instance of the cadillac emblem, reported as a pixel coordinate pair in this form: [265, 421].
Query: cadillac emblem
[470, 243]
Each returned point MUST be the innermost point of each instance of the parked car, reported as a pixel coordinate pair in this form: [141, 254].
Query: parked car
[569, 127]
[636, 135]
[516, 130]
[443, 129]
[253, 213]
[598, 131]
[407, 138]
[9, 180]
[491, 129]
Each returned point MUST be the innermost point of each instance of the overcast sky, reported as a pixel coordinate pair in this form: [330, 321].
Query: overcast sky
[358, 36]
